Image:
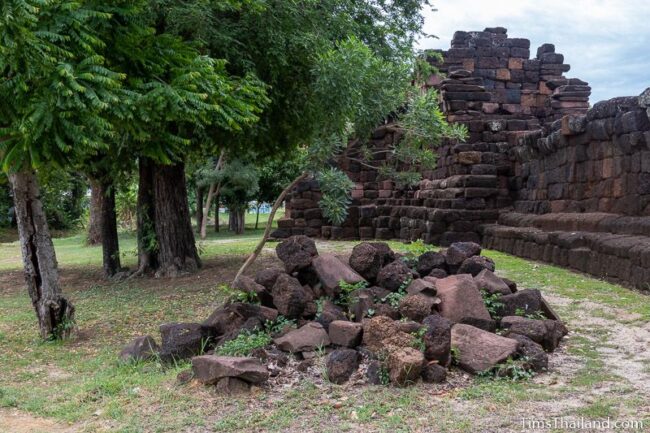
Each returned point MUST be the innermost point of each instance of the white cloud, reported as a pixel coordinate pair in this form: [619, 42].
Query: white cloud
[605, 41]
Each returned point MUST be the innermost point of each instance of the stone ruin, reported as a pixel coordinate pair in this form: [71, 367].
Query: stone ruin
[377, 317]
[542, 175]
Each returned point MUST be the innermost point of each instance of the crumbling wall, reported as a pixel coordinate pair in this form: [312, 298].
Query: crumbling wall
[534, 149]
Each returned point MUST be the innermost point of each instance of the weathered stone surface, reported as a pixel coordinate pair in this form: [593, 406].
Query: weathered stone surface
[331, 271]
[394, 275]
[267, 277]
[437, 339]
[480, 350]
[248, 285]
[422, 286]
[366, 260]
[208, 369]
[555, 332]
[461, 299]
[341, 364]
[434, 373]
[345, 333]
[416, 307]
[140, 349]
[376, 329]
[488, 281]
[429, 261]
[405, 365]
[537, 359]
[296, 252]
[232, 386]
[304, 339]
[528, 301]
[184, 340]
[330, 312]
[533, 329]
[289, 297]
[458, 252]
[373, 372]
[229, 318]
[474, 265]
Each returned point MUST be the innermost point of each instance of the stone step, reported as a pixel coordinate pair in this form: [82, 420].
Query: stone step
[618, 257]
[585, 222]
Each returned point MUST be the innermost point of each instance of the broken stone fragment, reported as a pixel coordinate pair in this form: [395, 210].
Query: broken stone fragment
[461, 299]
[184, 340]
[296, 252]
[331, 271]
[405, 365]
[304, 339]
[140, 349]
[341, 364]
[345, 333]
[479, 350]
[488, 281]
[366, 260]
[208, 369]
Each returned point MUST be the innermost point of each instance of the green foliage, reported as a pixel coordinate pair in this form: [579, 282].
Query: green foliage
[335, 186]
[279, 324]
[535, 315]
[418, 342]
[492, 303]
[244, 343]
[347, 295]
[237, 295]
[239, 182]
[455, 355]
[57, 89]
[513, 370]
[64, 198]
[394, 298]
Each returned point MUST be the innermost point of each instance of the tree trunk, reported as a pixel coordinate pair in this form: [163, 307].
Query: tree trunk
[54, 312]
[217, 207]
[176, 247]
[110, 241]
[257, 216]
[199, 208]
[208, 203]
[147, 244]
[214, 190]
[94, 222]
[267, 230]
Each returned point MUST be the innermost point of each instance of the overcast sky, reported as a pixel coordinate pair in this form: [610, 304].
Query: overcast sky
[606, 42]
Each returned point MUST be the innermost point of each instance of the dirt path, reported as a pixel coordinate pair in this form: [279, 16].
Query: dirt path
[13, 421]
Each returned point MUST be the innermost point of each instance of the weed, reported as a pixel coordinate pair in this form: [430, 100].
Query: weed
[512, 369]
[244, 343]
[418, 342]
[492, 303]
[347, 295]
[279, 324]
[455, 355]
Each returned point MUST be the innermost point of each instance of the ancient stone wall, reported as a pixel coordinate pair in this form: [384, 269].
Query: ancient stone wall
[535, 152]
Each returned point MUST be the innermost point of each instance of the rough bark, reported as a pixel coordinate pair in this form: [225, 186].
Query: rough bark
[94, 222]
[54, 312]
[236, 220]
[217, 224]
[177, 251]
[147, 248]
[110, 242]
[199, 208]
[269, 224]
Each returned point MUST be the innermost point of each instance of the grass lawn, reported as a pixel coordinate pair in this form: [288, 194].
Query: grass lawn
[601, 370]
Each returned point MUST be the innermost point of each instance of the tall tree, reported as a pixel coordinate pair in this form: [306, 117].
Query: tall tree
[55, 92]
[178, 99]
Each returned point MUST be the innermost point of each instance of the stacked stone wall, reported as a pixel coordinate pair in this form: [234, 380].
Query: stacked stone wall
[534, 149]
